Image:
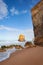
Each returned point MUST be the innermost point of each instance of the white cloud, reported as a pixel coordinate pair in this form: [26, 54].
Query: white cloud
[16, 12]
[3, 9]
[24, 11]
[2, 27]
[29, 34]
[13, 33]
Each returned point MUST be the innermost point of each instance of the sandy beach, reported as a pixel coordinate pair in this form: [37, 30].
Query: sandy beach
[28, 56]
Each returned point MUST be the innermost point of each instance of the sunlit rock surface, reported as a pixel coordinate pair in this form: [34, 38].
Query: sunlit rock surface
[37, 17]
[21, 38]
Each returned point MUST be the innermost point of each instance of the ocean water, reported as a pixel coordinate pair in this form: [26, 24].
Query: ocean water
[11, 43]
[5, 55]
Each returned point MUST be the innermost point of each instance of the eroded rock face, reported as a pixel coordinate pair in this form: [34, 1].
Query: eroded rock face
[28, 44]
[37, 17]
[18, 47]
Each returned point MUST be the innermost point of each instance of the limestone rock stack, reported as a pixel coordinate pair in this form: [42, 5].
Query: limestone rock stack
[37, 17]
[21, 38]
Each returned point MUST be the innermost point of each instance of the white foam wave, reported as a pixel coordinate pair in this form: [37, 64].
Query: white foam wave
[5, 55]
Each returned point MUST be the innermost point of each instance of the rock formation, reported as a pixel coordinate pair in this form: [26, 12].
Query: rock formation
[18, 47]
[37, 17]
[21, 38]
[28, 44]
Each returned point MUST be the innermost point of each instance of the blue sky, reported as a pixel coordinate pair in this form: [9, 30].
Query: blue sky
[16, 19]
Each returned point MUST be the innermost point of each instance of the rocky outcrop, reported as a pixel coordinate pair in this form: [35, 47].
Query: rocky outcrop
[21, 38]
[18, 47]
[37, 17]
[28, 44]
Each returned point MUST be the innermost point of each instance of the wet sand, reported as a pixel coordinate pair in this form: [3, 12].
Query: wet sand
[28, 56]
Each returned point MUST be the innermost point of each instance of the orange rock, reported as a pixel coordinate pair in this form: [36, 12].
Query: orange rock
[21, 38]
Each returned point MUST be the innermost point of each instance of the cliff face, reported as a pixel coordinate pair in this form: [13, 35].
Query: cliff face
[37, 17]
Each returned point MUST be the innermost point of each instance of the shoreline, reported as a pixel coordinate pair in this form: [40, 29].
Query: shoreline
[27, 56]
[2, 50]
[6, 54]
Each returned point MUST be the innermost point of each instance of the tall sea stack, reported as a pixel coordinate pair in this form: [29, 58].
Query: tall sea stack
[37, 18]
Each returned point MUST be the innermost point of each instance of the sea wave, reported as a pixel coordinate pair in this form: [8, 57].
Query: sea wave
[6, 43]
[5, 55]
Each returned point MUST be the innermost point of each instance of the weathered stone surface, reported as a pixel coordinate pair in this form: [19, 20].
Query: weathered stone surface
[37, 17]
[28, 44]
